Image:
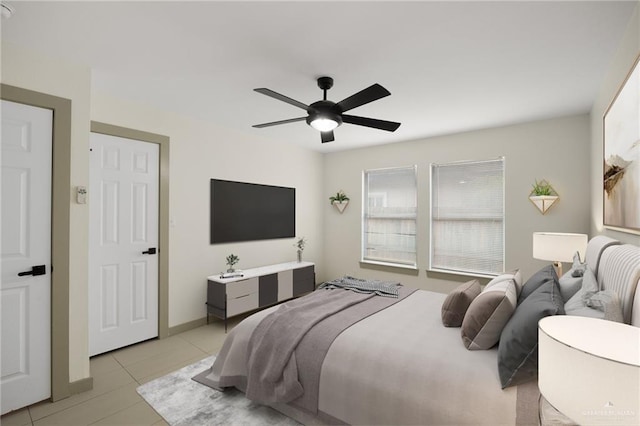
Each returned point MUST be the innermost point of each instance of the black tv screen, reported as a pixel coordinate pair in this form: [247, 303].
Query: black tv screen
[247, 211]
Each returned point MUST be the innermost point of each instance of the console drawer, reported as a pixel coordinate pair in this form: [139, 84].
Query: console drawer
[242, 288]
[242, 304]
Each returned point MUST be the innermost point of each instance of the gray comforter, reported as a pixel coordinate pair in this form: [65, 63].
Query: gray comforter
[432, 379]
[272, 367]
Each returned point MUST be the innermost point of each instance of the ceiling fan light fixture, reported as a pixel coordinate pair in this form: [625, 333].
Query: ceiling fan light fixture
[322, 118]
[324, 124]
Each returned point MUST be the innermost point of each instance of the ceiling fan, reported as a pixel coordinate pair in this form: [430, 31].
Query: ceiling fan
[325, 115]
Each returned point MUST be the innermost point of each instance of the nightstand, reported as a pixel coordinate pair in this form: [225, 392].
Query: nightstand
[589, 369]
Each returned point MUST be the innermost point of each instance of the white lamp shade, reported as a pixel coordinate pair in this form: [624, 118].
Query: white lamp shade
[589, 369]
[558, 247]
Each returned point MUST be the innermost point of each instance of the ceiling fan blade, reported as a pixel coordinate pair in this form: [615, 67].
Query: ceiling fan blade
[389, 126]
[370, 94]
[282, 98]
[327, 136]
[275, 123]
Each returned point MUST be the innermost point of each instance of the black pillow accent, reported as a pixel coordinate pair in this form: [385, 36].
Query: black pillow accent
[518, 347]
[546, 274]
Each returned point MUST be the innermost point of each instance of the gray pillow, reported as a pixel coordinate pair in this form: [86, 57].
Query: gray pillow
[603, 305]
[457, 303]
[590, 285]
[589, 288]
[577, 268]
[569, 285]
[518, 347]
[584, 311]
[548, 273]
[488, 314]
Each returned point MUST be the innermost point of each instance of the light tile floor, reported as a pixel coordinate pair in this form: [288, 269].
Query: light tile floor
[116, 375]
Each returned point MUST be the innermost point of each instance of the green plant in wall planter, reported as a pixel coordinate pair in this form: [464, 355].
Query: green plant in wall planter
[340, 200]
[542, 188]
[232, 259]
[543, 196]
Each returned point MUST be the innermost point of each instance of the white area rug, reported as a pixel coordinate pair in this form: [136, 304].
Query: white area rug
[182, 401]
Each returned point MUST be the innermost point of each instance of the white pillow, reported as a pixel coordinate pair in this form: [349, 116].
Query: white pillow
[515, 275]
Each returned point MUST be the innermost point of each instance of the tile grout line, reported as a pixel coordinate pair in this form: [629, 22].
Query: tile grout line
[78, 403]
[124, 409]
[203, 353]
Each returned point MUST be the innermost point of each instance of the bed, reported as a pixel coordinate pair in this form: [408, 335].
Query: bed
[400, 365]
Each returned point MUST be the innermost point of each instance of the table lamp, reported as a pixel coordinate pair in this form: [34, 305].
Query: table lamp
[589, 371]
[558, 247]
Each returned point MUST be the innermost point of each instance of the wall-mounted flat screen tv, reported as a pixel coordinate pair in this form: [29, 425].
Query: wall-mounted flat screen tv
[247, 212]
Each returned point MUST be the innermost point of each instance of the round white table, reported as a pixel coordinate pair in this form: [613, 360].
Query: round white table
[589, 369]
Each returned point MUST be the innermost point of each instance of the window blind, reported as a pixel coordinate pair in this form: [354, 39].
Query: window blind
[467, 217]
[389, 216]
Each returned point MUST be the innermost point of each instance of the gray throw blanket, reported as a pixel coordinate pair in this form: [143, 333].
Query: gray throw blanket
[359, 285]
[272, 374]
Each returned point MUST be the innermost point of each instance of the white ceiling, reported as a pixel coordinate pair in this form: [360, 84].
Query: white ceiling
[451, 66]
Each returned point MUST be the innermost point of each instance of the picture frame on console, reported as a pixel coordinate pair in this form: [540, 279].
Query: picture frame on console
[621, 173]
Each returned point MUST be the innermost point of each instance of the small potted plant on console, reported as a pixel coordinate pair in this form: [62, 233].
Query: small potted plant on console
[300, 245]
[232, 259]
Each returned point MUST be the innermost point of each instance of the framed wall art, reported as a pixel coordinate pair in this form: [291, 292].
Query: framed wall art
[621, 173]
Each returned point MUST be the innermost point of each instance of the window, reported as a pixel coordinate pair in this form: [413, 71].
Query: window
[389, 216]
[467, 217]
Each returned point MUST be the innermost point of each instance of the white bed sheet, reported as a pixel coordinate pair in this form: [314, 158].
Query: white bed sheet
[402, 366]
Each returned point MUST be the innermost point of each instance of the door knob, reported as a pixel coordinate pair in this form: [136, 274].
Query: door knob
[35, 270]
[152, 250]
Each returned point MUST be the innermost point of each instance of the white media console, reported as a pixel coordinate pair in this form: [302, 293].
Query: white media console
[258, 288]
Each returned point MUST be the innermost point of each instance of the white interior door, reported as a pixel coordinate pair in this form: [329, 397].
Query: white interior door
[25, 291]
[123, 261]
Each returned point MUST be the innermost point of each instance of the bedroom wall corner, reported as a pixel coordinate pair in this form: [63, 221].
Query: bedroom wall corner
[627, 52]
[200, 151]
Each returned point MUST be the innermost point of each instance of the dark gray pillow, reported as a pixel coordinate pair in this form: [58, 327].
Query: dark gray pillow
[518, 347]
[457, 303]
[546, 274]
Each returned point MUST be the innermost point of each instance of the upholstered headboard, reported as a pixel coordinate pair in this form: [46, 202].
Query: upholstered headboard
[619, 270]
[594, 250]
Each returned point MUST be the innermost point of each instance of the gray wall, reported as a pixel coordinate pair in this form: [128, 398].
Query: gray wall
[627, 53]
[556, 150]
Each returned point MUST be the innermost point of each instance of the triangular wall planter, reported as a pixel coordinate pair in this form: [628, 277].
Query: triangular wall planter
[543, 202]
[341, 205]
